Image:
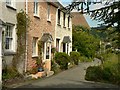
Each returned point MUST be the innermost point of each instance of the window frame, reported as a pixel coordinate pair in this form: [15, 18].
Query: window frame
[68, 21]
[34, 47]
[36, 8]
[11, 4]
[9, 37]
[64, 19]
[58, 17]
[48, 12]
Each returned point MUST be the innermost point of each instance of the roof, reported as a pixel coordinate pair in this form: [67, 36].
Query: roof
[46, 37]
[79, 19]
[66, 39]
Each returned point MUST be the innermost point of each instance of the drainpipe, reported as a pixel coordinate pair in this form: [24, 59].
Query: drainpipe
[26, 8]
[0, 58]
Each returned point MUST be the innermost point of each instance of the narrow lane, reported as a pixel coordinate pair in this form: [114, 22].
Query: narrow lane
[72, 78]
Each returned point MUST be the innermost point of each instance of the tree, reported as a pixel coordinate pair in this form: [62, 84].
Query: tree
[84, 42]
[109, 13]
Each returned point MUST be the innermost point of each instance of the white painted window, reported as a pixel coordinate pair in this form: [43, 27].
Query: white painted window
[58, 16]
[8, 37]
[68, 21]
[57, 44]
[11, 3]
[34, 47]
[48, 13]
[36, 8]
[64, 17]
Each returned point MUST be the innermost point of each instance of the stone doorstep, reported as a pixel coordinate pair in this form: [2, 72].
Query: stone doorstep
[41, 74]
[49, 73]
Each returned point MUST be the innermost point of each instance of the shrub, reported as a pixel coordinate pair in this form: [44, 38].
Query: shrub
[62, 59]
[55, 67]
[75, 56]
[85, 59]
[9, 73]
[108, 71]
[93, 73]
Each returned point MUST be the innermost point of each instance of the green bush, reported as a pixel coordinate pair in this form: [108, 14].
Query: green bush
[9, 73]
[62, 59]
[85, 59]
[75, 56]
[93, 73]
[108, 71]
[55, 67]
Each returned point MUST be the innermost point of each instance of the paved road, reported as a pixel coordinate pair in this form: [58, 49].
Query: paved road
[72, 78]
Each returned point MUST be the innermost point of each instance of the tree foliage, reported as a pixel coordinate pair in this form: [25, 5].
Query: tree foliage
[84, 42]
[109, 13]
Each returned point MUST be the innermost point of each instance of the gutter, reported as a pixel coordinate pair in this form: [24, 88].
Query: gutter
[26, 8]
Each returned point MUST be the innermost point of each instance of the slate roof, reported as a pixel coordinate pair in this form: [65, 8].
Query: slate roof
[66, 39]
[46, 37]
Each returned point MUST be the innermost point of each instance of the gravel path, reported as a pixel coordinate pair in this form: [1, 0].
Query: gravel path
[72, 78]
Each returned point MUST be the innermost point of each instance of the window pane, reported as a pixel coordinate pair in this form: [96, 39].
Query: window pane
[35, 7]
[48, 12]
[8, 43]
[8, 2]
[34, 46]
[58, 16]
[8, 37]
[47, 52]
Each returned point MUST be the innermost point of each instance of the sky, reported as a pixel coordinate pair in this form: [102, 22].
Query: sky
[92, 23]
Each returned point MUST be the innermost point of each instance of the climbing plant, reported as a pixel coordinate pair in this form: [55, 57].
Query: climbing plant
[21, 27]
[39, 60]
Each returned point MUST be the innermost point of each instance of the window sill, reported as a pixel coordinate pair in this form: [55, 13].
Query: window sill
[36, 16]
[48, 20]
[58, 24]
[11, 7]
[9, 52]
[64, 26]
[34, 56]
[68, 28]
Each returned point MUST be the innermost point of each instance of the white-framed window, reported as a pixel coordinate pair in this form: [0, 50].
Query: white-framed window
[48, 12]
[34, 47]
[9, 37]
[64, 17]
[68, 21]
[57, 44]
[58, 17]
[36, 7]
[10, 3]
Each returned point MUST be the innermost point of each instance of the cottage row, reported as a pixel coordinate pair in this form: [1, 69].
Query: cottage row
[49, 23]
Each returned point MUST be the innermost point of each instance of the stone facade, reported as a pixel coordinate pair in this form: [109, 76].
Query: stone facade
[8, 14]
[62, 29]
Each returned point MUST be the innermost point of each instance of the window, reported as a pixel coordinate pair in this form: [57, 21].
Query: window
[64, 16]
[64, 47]
[36, 7]
[57, 44]
[34, 46]
[47, 52]
[59, 16]
[8, 37]
[68, 21]
[10, 3]
[48, 13]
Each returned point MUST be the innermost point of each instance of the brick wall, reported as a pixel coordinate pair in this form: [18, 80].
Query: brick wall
[38, 26]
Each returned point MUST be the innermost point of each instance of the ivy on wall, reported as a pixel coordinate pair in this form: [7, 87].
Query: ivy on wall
[22, 25]
[39, 60]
